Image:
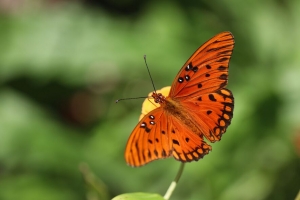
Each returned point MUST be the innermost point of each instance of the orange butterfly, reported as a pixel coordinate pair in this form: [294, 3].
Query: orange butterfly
[197, 104]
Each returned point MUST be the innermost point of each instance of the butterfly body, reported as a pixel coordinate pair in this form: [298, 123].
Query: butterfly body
[175, 121]
[173, 108]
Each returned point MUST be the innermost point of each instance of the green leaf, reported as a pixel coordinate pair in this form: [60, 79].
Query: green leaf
[138, 196]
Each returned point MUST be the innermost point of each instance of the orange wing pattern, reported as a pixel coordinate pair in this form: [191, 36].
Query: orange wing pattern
[213, 112]
[158, 136]
[200, 86]
[148, 141]
[198, 95]
[206, 70]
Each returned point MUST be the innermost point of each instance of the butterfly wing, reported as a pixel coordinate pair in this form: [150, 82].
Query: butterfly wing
[212, 111]
[206, 70]
[199, 86]
[159, 135]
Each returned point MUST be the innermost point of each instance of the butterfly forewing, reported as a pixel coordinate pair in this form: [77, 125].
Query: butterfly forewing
[206, 70]
[149, 140]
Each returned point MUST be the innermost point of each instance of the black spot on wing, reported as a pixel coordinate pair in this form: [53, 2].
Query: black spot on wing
[221, 68]
[187, 77]
[223, 77]
[175, 142]
[143, 125]
[211, 97]
[222, 59]
[151, 117]
[223, 84]
[180, 80]
[163, 153]
[195, 69]
[218, 48]
[227, 52]
[189, 67]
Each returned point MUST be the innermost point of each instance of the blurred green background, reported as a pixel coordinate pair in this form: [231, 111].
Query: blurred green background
[64, 63]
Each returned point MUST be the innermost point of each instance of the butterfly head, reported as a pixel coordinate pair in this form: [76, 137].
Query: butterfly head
[158, 97]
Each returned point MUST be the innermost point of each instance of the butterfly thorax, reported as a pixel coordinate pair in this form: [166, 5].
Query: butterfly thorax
[174, 108]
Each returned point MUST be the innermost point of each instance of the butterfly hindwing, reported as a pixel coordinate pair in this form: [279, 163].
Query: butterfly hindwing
[159, 135]
[187, 146]
[206, 70]
[212, 111]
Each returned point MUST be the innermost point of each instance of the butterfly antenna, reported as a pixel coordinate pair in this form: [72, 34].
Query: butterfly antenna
[131, 98]
[149, 73]
[151, 81]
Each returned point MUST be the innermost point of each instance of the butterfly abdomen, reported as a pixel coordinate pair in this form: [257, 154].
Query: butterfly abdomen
[175, 109]
[187, 138]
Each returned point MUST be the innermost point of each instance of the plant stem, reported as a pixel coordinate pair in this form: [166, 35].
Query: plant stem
[174, 183]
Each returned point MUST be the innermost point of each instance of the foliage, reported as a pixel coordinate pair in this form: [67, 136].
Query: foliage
[63, 65]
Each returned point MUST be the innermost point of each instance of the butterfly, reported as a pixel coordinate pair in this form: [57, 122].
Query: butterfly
[175, 120]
